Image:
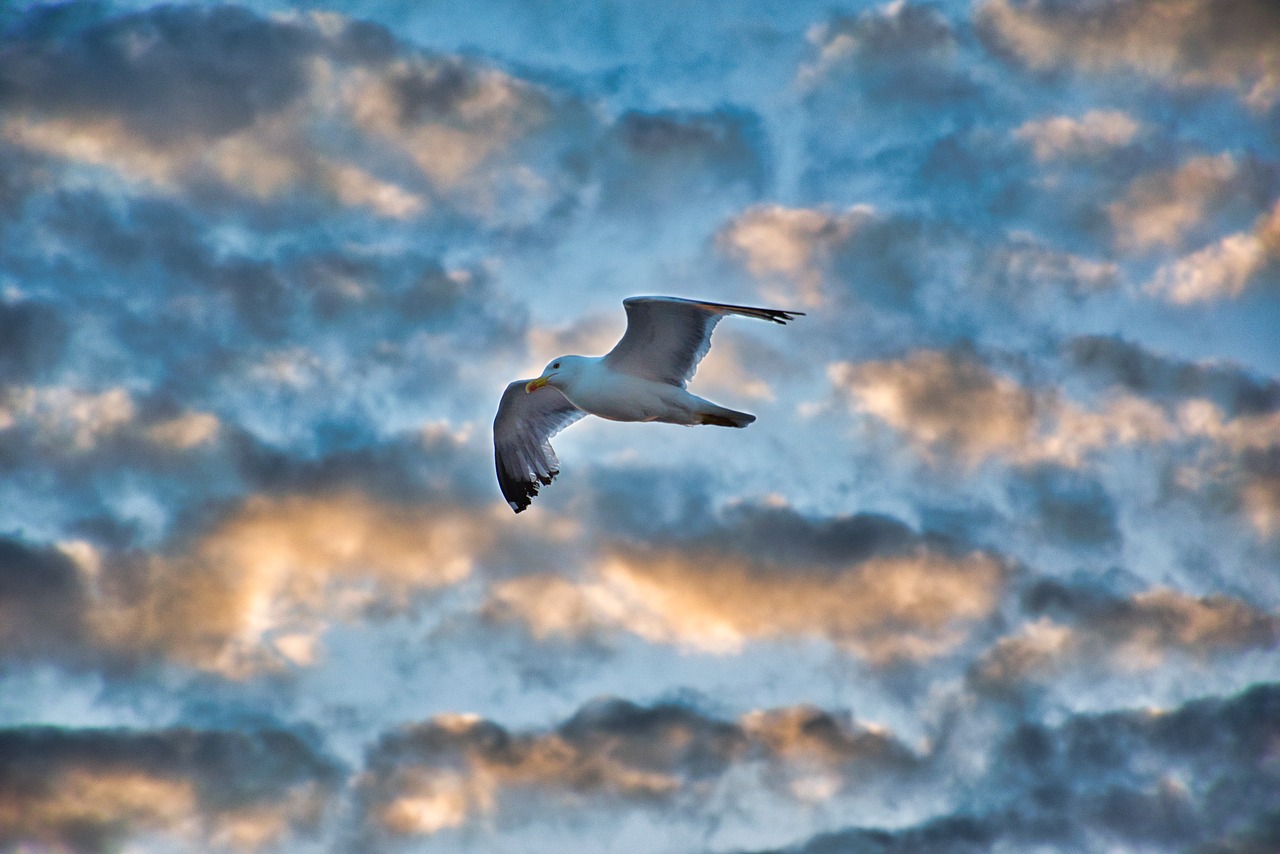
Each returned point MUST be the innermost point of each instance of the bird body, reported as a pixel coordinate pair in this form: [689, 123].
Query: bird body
[642, 378]
[597, 389]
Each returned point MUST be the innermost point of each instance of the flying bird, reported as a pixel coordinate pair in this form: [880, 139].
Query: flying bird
[642, 378]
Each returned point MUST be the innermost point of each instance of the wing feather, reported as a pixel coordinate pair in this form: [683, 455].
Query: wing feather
[522, 432]
[667, 337]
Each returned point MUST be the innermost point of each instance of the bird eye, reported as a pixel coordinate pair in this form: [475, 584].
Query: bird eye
[556, 365]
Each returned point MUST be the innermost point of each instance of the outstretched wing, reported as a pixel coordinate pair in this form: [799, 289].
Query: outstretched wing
[522, 432]
[667, 337]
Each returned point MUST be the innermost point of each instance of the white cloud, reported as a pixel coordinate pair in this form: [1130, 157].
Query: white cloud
[1159, 209]
[1095, 132]
[1222, 270]
[792, 247]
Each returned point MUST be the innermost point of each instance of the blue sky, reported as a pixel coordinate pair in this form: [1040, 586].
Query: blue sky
[994, 570]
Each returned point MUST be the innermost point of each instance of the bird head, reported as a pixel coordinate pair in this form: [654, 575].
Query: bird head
[556, 374]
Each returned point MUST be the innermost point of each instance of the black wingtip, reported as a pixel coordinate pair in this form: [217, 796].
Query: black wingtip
[520, 493]
[781, 317]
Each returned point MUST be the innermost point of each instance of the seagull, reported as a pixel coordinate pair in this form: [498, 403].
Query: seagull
[642, 378]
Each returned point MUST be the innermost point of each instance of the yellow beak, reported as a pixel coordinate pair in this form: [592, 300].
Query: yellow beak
[534, 385]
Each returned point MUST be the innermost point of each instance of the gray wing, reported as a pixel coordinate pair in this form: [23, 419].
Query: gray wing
[667, 337]
[522, 432]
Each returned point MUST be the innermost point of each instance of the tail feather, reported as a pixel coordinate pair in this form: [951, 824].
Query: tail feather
[719, 416]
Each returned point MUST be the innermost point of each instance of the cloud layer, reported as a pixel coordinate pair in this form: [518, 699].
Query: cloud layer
[994, 570]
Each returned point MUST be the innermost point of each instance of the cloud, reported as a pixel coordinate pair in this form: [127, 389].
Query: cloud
[1185, 43]
[168, 96]
[903, 51]
[820, 255]
[1148, 777]
[1240, 466]
[95, 789]
[1260, 491]
[669, 159]
[67, 419]
[253, 591]
[414, 467]
[894, 270]
[951, 403]
[1066, 507]
[950, 835]
[1063, 136]
[33, 336]
[258, 589]
[167, 74]
[263, 276]
[455, 771]
[1222, 270]
[60, 422]
[943, 400]
[1021, 270]
[465, 127]
[42, 597]
[793, 243]
[1122, 363]
[951, 407]
[1156, 780]
[1081, 628]
[1163, 209]
[184, 99]
[864, 584]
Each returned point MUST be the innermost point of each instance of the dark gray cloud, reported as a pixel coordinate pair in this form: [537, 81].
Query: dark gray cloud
[782, 534]
[1194, 774]
[957, 835]
[33, 336]
[1087, 627]
[1197, 777]
[879, 89]
[1024, 272]
[1070, 507]
[42, 601]
[904, 53]
[95, 789]
[455, 771]
[406, 468]
[1259, 488]
[169, 73]
[1117, 362]
[673, 159]
[659, 507]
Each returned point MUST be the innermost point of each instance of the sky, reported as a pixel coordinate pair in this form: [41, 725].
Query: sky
[997, 569]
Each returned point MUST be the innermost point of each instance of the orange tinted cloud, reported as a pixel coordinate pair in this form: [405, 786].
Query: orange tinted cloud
[1193, 43]
[791, 245]
[1221, 270]
[885, 609]
[1159, 209]
[78, 790]
[258, 589]
[951, 404]
[390, 135]
[1132, 634]
[1095, 132]
[454, 770]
